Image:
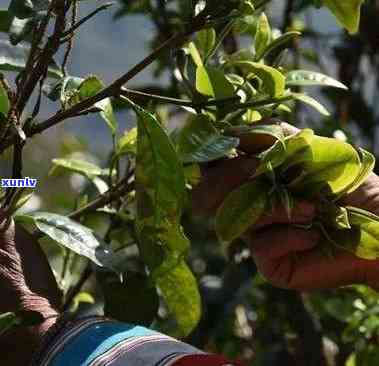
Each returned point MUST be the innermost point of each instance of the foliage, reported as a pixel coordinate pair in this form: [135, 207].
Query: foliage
[134, 231]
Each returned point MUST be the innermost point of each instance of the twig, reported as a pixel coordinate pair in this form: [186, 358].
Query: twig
[51, 47]
[263, 102]
[17, 168]
[86, 18]
[229, 26]
[185, 103]
[78, 286]
[21, 78]
[102, 200]
[70, 38]
[288, 15]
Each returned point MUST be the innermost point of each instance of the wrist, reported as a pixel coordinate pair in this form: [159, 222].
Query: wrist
[30, 337]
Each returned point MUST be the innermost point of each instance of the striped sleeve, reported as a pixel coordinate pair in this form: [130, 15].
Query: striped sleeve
[98, 341]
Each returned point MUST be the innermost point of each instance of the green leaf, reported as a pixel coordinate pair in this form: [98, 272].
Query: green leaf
[127, 142]
[281, 153]
[347, 12]
[240, 210]
[20, 202]
[311, 102]
[4, 101]
[13, 58]
[74, 90]
[262, 36]
[367, 167]
[363, 238]
[199, 141]
[205, 41]
[73, 236]
[8, 321]
[308, 78]
[160, 195]
[133, 300]
[324, 162]
[212, 82]
[25, 318]
[192, 174]
[280, 43]
[273, 81]
[81, 298]
[182, 296]
[80, 166]
[195, 54]
[90, 87]
[334, 216]
[63, 89]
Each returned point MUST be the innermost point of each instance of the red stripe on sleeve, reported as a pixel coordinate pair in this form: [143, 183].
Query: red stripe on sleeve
[205, 360]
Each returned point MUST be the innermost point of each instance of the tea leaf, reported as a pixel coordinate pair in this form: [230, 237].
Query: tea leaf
[347, 12]
[308, 78]
[212, 82]
[262, 36]
[199, 141]
[241, 209]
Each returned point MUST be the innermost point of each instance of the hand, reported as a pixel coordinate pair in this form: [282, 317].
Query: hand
[26, 283]
[288, 256]
[291, 258]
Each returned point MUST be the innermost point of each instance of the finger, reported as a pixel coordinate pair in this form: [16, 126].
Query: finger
[217, 182]
[312, 270]
[275, 251]
[280, 241]
[365, 196]
[302, 213]
[298, 264]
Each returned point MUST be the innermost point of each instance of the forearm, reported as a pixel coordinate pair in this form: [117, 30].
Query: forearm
[97, 340]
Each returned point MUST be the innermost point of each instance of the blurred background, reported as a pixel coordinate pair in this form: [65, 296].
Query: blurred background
[243, 316]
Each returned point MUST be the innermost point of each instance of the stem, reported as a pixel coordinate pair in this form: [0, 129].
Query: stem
[220, 39]
[76, 289]
[103, 199]
[51, 47]
[264, 102]
[187, 103]
[86, 18]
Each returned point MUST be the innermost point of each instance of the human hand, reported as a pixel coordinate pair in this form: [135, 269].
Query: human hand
[26, 283]
[286, 255]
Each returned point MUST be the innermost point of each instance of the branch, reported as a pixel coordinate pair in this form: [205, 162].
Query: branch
[51, 47]
[264, 102]
[102, 200]
[181, 102]
[114, 88]
[86, 18]
[73, 291]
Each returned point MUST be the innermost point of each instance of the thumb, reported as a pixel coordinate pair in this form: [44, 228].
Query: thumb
[218, 181]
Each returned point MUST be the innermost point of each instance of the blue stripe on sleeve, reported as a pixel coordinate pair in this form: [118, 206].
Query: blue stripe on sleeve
[94, 340]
